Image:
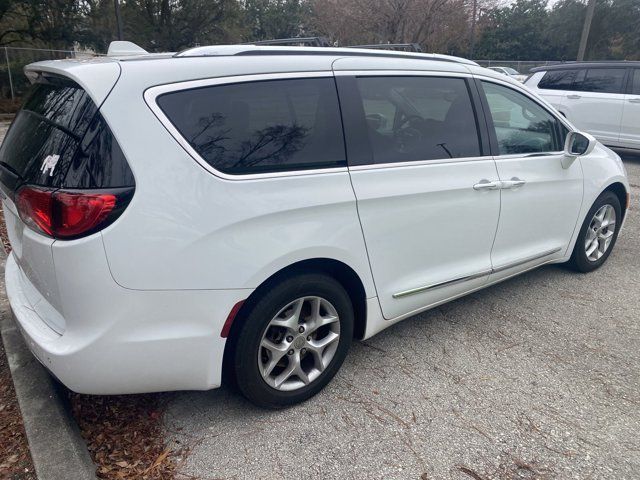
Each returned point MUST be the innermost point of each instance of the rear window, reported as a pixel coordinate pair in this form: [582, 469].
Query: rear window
[558, 80]
[259, 127]
[59, 139]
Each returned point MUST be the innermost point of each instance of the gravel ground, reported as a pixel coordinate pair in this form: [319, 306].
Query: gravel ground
[537, 377]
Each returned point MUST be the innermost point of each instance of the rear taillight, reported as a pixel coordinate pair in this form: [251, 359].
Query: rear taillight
[34, 206]
[68, 214]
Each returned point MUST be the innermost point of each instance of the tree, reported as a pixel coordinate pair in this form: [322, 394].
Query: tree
[435, 24]
[524, 29]
[515, 32]
[615, 32]
[162, 25]
[564, 27]
[269, 19]
[50, 23]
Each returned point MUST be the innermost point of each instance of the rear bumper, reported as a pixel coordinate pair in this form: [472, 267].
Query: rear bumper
[145, 341]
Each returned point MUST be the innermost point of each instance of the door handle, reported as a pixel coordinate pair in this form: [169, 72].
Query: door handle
[574, 97]
[485, 184]
[515, 182]
[634, 100]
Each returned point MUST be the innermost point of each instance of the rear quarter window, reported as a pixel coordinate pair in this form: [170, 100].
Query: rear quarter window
[262, 126]
[558, 80]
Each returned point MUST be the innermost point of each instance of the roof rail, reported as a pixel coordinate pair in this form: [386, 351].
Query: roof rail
[406, 47]
[300, 41]
[257, 50]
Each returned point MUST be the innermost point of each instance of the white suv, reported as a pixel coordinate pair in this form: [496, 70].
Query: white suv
[602, 98]
[251, 210]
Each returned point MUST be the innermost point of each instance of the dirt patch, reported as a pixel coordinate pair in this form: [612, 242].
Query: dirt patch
[125, 436]
[15, 459]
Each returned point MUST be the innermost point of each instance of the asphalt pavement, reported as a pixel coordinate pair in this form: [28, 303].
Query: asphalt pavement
[536, 377]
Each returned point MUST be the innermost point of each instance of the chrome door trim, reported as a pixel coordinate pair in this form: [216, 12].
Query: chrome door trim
[517, 263]
[413, 291]
[151, 94]
[510, 156]
[418, 163]
[507, 266]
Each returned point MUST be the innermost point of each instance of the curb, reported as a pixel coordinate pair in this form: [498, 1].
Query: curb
[57, 449]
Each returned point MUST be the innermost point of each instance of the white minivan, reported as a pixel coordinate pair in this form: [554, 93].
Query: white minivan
[602, 98]
[251, 210]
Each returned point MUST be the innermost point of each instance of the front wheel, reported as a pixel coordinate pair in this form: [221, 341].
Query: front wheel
[598, 234]
[293, 340]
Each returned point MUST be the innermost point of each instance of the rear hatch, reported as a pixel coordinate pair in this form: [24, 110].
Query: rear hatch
[58, 152]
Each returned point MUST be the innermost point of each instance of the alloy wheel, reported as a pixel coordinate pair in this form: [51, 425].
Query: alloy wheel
[299, 343]
[600, 233]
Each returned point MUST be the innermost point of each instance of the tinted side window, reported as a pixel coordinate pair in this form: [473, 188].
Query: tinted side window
[635, 86]
[521, 125]
[418, 118]
[558, 80]
[602, 80]
[261, 127]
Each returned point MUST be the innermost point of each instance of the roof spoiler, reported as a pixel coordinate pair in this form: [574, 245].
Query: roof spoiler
[121, 48]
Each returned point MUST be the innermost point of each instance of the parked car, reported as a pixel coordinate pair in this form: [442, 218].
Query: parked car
[250, 210]
[510, 72]
[602, 98]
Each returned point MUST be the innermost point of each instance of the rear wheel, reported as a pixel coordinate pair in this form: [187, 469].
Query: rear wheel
[598, 234]
[293, 340]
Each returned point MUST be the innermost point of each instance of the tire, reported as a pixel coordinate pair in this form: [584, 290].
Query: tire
[265, 323]
[580, 260]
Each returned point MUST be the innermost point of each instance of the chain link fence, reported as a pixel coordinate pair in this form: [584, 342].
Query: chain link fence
[13, 82]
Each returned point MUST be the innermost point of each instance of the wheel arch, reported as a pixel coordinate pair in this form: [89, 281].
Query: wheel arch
[621, 192]
[338, 270]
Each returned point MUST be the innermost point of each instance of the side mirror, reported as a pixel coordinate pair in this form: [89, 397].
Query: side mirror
[577, 144]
